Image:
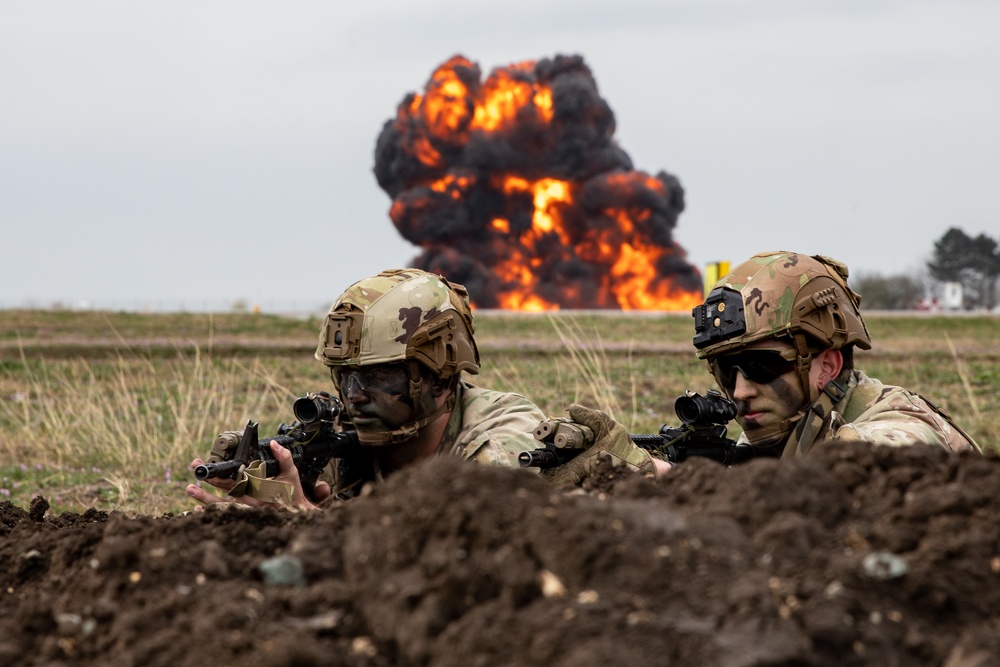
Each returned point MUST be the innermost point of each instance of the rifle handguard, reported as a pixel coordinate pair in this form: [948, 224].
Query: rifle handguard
[703, 435]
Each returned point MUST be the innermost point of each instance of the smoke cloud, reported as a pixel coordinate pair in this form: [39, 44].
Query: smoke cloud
[515, 187]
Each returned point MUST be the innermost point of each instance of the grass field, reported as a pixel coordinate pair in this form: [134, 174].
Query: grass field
[106, 409]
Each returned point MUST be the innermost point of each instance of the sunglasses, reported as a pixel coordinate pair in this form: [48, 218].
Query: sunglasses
[390, 379]
[757, 366]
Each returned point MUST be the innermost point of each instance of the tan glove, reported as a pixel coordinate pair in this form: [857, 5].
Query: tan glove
[610, 439]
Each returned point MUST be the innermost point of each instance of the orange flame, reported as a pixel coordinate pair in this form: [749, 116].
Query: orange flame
[503, 97]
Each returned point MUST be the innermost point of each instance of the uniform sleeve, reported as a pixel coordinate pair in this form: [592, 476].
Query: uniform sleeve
[497, 426]
[900, 418]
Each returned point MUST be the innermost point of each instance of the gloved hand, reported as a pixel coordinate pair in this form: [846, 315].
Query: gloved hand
[610, 439]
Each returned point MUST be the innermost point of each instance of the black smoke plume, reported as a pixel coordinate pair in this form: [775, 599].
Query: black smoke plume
[444, 162]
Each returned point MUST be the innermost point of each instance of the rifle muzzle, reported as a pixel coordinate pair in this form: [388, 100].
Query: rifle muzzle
[220, 469]
[538, 458]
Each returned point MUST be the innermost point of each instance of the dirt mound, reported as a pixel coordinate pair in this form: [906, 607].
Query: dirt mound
[853, 557]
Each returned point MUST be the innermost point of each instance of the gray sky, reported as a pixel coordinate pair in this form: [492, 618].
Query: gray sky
[191, 153]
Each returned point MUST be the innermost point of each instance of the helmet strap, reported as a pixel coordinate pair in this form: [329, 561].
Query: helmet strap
[805, 432]
[799, 430]
[767, 437]
[416, 381]
[803, 364]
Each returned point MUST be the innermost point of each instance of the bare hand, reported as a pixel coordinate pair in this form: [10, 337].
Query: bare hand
[661, 467]
[287, 473]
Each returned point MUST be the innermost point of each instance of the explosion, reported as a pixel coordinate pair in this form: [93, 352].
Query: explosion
[514, 187]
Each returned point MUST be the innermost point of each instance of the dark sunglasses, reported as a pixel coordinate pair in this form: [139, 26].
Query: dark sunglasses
[388, 379]
[758, 366]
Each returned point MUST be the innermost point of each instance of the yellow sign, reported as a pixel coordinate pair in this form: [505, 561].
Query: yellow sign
[713, 272]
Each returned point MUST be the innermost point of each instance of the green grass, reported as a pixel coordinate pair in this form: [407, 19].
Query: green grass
[106, 409]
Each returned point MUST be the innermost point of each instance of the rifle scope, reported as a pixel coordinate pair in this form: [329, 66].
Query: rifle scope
[320, 406]
[712, 408]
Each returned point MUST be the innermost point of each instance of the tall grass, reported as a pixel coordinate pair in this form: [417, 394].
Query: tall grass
[112, 420]
[589, 367]
[134, 422]
[963, 374]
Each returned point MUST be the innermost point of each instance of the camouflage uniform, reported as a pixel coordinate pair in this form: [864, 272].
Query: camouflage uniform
[880, 414]
[805, 303]
[491, 427]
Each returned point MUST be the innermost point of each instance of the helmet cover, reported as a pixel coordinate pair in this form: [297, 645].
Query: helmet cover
[804, 299]
[401, 315]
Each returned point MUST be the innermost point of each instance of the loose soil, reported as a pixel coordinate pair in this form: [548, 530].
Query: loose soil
[853, 556]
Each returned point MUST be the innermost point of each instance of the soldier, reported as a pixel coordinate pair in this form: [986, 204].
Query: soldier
[396, 345]
[779, 333]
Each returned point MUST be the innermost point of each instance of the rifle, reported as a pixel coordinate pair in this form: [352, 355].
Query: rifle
[703, 434]
[311, 439]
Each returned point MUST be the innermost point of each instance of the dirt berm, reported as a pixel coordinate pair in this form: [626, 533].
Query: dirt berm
[854, 556]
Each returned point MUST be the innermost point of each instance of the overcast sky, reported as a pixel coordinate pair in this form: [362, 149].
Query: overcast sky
[192, 153]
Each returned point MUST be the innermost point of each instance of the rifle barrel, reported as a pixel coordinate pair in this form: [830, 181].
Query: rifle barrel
[219, 469]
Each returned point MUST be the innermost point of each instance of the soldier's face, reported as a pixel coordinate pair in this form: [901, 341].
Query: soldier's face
[766, 387]
[377, 398]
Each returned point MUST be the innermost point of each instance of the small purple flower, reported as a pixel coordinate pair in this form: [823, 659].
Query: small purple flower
[168, 473]
[5, 493]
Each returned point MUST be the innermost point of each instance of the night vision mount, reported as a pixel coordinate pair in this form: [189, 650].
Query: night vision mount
[719, 318]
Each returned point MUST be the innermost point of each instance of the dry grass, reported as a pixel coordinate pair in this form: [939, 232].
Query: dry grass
[113, 424]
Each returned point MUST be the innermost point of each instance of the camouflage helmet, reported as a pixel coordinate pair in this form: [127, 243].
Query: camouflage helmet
[803, 299]
[401, 315]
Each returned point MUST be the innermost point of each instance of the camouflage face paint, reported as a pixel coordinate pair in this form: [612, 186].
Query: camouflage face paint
[768, 403]
[377, 398]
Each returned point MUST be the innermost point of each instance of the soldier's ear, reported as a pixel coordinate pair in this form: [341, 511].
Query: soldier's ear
[830, 364]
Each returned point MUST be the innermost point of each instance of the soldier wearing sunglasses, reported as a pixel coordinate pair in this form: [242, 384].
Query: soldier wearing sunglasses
[779, 334]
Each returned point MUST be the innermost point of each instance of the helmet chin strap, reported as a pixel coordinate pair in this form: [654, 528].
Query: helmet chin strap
[407, 431]
[804, 435]
[803, 363]
[775, 435]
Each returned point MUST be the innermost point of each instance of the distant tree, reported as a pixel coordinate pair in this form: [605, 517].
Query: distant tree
[951, 255]
[878, 292]
[973, 262]
[986, 262]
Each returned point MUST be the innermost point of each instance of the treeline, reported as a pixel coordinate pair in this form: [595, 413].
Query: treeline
[957, 258]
